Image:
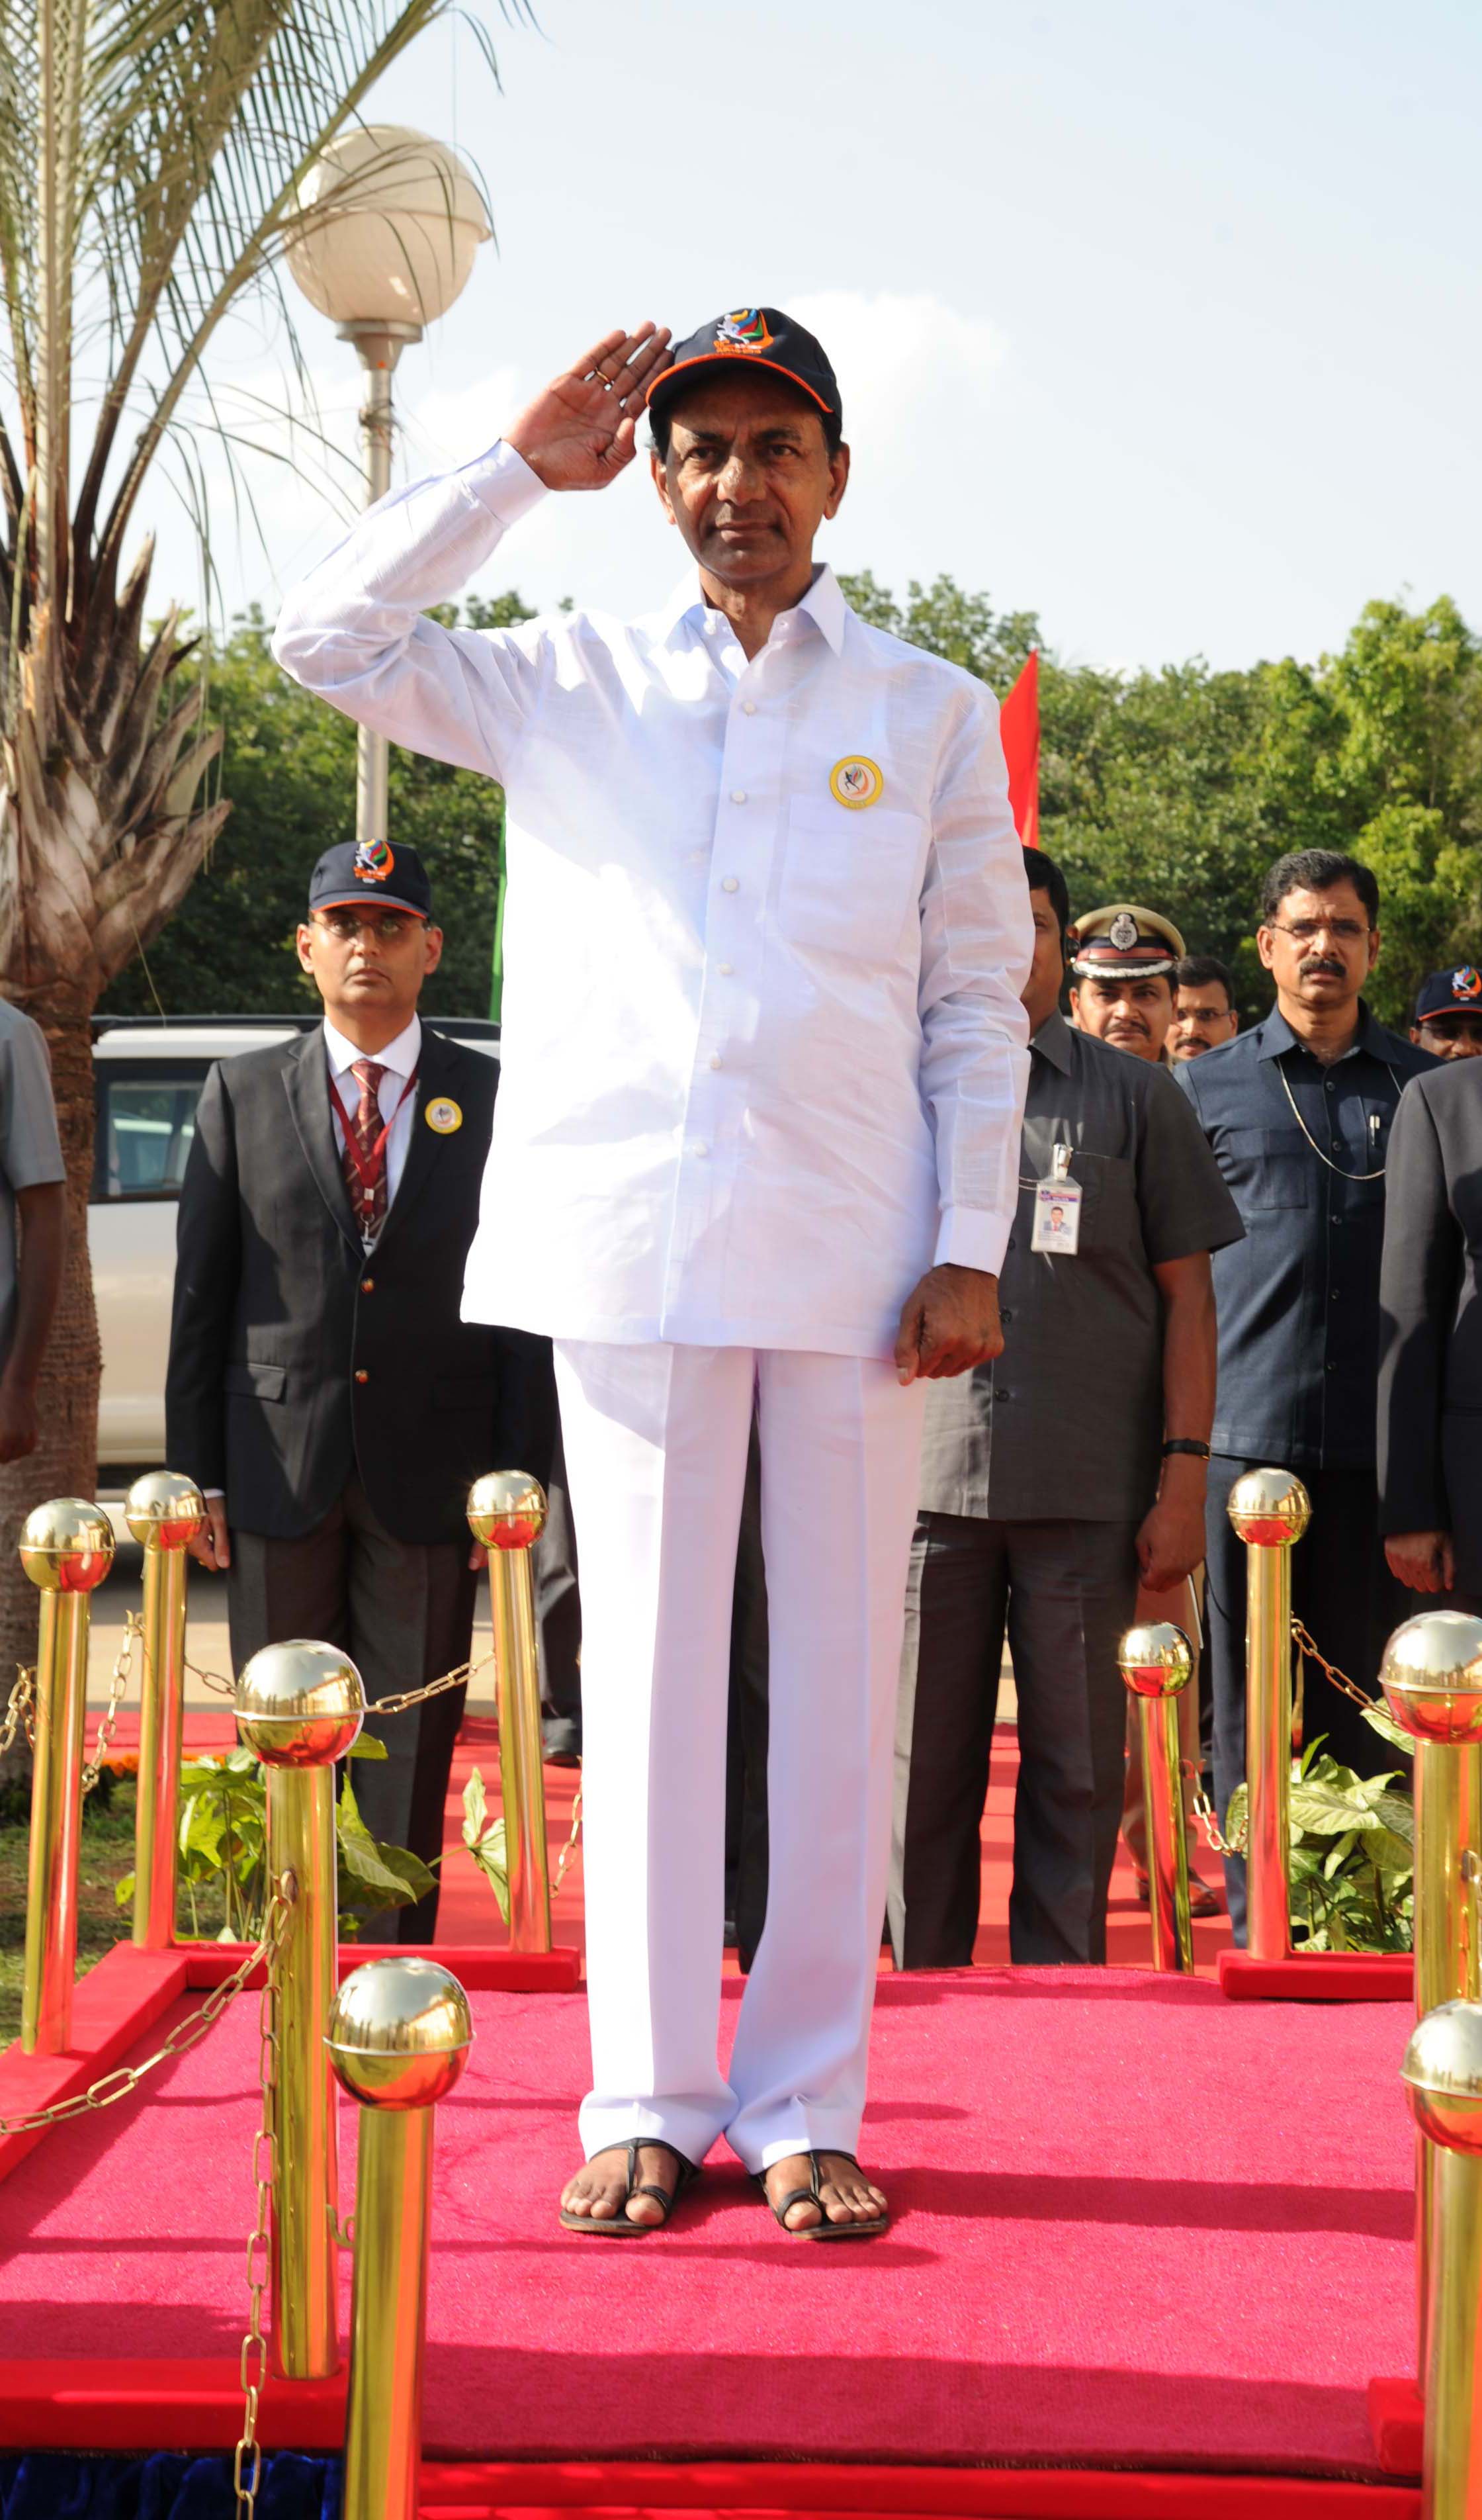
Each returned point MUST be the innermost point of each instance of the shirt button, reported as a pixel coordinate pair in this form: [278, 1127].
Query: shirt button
[1005, 1318]
[730, 884]
[1010, 1242]
[749, 708]
[716, 1059]
[361, 1375]
[737, 795]
[701, 1151]
[725, 970]
[1001, 1394]
[368, 1286]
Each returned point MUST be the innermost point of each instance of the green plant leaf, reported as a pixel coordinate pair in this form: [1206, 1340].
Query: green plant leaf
[485, 1840]
[365, 1859]
[1388, 1729]
[369, 1747]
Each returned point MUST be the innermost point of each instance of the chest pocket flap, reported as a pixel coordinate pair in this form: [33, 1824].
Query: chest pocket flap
[1266, 1167]
[849, 878]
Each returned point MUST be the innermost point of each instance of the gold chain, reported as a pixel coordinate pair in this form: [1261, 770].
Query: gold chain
[409, 1697]
[1340, 1679]
[185, 2034]
[259, 2250]
[215, 1680]
[133, 1631]
[21, 1710]
[1209, 1818]
[569, 1848]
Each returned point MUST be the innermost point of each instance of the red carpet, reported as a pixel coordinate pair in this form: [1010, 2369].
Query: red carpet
[1137, 2225]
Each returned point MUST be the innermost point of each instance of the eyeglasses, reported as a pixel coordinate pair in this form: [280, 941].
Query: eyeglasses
[1306, 931]
[389, 925]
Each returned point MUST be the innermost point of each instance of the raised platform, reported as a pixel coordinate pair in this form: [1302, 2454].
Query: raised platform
[1138, 2229]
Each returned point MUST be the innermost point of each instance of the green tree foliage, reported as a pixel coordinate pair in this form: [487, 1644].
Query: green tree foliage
[289, 768]
[1179, 787]
[1176, 787]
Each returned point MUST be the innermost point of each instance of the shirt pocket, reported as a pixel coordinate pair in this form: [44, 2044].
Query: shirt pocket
[1267, 1167]
[849, 877]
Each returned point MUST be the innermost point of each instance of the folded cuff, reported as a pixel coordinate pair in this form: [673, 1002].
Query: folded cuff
[503, 483]
[972, 1238]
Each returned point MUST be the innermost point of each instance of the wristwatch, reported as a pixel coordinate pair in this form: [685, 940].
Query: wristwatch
[1186, 1444]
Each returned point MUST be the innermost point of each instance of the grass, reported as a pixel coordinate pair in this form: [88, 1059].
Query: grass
[107, 1854]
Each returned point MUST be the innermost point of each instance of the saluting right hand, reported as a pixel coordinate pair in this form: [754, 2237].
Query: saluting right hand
[580, 432]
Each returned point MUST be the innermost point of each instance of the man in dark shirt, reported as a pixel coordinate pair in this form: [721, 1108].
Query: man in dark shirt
[1048, 1486]
[1297, 1111]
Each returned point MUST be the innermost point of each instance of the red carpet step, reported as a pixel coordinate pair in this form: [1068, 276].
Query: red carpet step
[1137, 2226]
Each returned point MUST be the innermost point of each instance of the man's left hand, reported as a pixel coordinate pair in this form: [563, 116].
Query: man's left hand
[949, 1324]
[1171, 1541]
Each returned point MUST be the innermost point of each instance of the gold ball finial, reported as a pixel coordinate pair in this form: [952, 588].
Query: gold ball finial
[1442, 2074]
[1272, 1507]
[1431, 1676]
[163, 1510]
[67, 1546]
[399, 2034]
[506, 1510]
[1155, 1660]
[300, 1704]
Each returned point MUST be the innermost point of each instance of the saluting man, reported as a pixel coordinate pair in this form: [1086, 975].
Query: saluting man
[757, 1134]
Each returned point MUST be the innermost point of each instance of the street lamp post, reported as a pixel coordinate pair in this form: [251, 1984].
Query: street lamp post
[389, 222]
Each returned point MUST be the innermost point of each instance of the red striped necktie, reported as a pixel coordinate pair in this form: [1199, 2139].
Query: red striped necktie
[366, 1181]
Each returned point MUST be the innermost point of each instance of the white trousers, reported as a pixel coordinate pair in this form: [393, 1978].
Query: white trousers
[656, 1443]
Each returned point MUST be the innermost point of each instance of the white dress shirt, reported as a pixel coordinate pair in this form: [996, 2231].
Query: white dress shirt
[763, 1053]
[398, 1061]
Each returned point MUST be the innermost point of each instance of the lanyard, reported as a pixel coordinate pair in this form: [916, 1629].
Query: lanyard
[370, 1165]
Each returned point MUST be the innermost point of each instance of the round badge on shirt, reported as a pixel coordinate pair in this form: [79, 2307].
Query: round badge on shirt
[856, 782]
[444, 1115]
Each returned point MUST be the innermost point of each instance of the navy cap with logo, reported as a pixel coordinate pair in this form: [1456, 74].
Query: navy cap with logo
[358, 870]
[758, 336]
[1457, 991]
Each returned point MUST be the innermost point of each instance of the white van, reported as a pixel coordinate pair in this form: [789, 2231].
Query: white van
[148, 1074]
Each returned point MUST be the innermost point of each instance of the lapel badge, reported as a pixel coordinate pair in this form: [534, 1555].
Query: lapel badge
[856, 782]
[444, 1114]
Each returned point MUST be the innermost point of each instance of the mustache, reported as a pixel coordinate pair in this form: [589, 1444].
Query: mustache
[1315, 963]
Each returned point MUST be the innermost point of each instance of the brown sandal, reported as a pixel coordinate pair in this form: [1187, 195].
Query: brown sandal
[812, 2194]
[621, 2225]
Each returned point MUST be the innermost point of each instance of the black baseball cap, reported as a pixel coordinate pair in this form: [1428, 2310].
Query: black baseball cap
[758, 336]
[1457, 991]
[357, 871]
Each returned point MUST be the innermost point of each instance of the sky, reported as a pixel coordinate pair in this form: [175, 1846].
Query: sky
[1155, 317]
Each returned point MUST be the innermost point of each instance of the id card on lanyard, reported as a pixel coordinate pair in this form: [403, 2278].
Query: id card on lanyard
[369, 1164]
[1057, 1209]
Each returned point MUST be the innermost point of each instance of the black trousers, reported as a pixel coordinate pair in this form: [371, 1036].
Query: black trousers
[558, 1617]
[1065, 1592]
[747, 1724]
[403, 1614]
[1341, 1590]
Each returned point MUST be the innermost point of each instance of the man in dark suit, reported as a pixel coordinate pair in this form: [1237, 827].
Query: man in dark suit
[1430, 1330]
[323, 1390]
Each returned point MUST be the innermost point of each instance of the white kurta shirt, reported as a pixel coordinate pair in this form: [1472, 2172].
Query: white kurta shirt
[398, 1060]
[763, 1052]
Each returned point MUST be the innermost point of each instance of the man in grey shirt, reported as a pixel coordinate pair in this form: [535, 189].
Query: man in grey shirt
[32, 1194]
[1051, 1482]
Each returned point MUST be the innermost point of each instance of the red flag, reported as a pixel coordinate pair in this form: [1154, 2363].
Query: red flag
[1020, 727]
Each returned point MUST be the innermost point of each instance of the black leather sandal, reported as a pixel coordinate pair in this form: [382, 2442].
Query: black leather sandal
[812, 2194]
[621, 2225]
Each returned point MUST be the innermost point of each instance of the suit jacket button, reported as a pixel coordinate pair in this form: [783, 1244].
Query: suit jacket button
[368, 1286]
[361, 1375]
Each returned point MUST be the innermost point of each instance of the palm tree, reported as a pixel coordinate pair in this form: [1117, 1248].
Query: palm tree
[151, 153]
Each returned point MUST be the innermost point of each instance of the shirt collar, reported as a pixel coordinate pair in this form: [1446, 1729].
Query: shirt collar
[824, 604]
[1053, 1042]
[1276, 1035]
[400, 1055]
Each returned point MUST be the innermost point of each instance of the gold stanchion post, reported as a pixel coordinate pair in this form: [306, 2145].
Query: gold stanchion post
[1156, 1663]
[399, 2038]
[507, 1511]
[300, 1706]
[1270, 1510]
[1432, 1677]
[163, 1511]
[1443, 2078]
[67, 1547]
